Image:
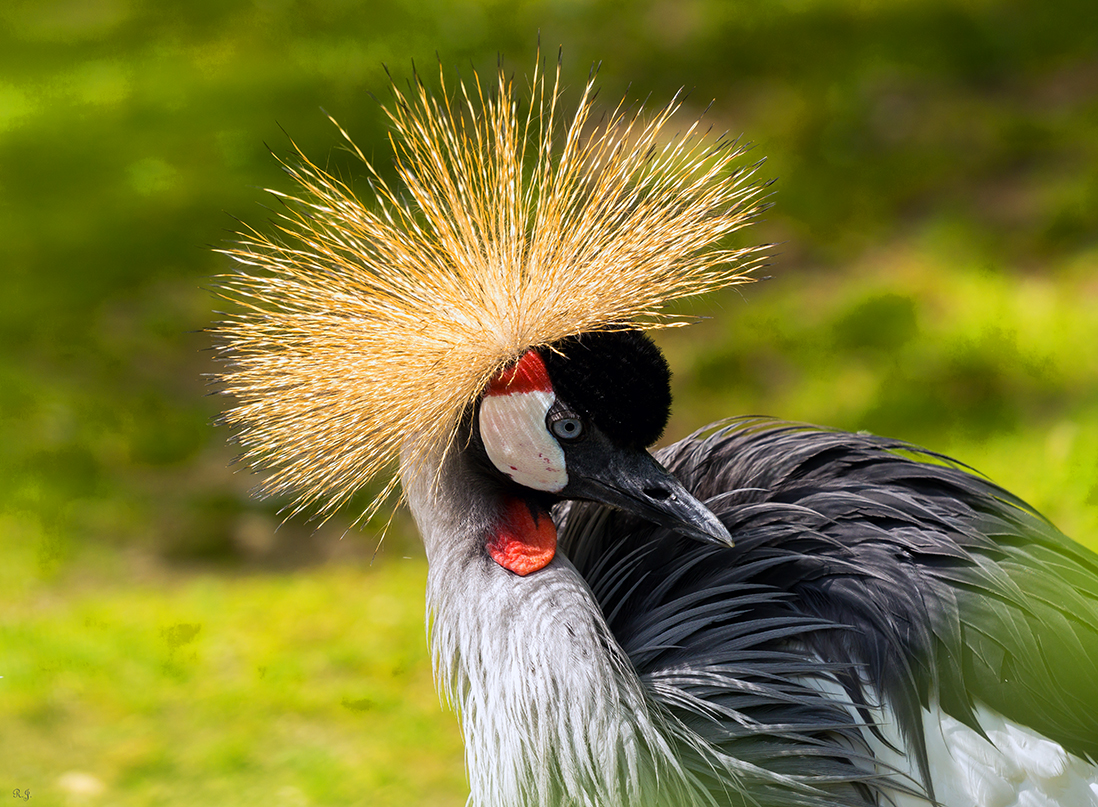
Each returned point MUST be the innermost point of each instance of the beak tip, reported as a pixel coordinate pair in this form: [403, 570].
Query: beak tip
[709, 529]
[723, 538]
[715, 530]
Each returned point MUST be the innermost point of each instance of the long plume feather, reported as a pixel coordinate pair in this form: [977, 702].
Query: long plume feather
[364, 329]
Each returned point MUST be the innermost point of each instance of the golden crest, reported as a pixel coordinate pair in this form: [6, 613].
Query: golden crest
[366, 327]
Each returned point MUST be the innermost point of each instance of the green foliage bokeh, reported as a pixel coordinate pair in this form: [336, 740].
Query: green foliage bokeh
[935, 278]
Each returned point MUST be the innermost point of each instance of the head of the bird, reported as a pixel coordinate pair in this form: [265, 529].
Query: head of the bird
[573, 421]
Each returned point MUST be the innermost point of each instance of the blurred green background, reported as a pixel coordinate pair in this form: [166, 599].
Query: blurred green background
[936, 279]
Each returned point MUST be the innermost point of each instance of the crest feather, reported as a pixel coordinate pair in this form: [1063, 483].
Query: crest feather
[366, 329]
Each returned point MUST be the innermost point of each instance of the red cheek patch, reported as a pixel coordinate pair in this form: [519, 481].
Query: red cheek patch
[524, 539]
[527, 375]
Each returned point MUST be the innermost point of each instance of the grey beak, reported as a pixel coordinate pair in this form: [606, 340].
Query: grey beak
[633, 481]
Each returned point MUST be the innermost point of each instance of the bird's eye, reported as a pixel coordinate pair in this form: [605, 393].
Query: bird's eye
[567, 428]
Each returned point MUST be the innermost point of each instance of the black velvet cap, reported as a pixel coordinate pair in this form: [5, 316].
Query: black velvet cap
[618, 380]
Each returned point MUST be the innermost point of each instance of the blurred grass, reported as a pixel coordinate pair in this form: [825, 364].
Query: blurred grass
[207, 689]
[936, 279]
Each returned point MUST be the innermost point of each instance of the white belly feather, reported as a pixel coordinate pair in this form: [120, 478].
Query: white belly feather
[1013, 767]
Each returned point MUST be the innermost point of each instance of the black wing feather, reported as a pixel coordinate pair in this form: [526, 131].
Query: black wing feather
[863, 560]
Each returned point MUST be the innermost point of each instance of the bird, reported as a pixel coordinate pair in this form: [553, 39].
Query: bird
[763, 613]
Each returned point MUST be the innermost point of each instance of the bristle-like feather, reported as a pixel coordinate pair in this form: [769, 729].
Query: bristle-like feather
[366, 329]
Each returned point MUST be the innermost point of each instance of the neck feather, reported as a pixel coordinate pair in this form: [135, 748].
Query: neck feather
[552, 711]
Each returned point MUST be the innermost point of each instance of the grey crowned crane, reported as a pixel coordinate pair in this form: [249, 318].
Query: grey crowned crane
[761, 614]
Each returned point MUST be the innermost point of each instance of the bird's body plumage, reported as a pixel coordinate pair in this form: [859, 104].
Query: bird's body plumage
[891, 574]
[887, 626]
[774, 616]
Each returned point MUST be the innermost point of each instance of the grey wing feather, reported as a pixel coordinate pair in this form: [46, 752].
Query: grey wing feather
[881, 566]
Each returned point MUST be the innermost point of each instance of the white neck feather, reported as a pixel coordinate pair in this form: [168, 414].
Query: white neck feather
[552, 711]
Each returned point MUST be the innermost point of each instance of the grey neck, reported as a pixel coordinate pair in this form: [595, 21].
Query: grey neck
[552, 711]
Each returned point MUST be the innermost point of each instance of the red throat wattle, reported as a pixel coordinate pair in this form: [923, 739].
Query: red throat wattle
[524, 538]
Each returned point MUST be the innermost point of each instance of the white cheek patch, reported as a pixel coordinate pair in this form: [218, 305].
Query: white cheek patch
[517, 441]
